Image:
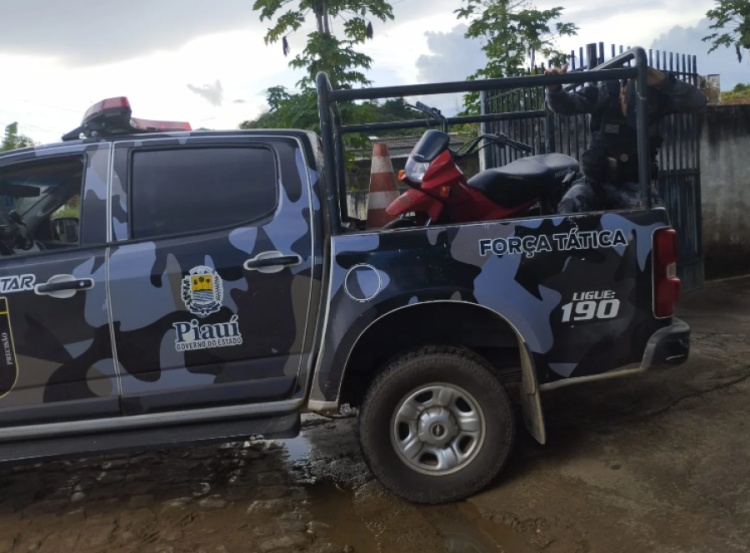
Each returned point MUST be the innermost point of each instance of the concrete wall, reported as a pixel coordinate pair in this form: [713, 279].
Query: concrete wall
[725, 189]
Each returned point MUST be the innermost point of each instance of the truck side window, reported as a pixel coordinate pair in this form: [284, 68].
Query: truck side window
[40, 205]
[193, 189]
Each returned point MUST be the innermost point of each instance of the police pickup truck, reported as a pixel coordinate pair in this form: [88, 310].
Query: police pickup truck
[163, 286]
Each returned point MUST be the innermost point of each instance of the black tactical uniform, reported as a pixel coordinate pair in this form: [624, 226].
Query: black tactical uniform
[610, 165]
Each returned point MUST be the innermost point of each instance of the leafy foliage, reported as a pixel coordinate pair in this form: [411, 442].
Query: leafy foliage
[300, 111]
[287, 111]
[740, 94]
[13, 140]
[512, 32]
[67, 211]
[731, 21]
[324, 51]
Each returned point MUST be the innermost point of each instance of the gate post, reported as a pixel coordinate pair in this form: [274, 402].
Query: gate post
[592, 56]
[484, 153]
[549, 127]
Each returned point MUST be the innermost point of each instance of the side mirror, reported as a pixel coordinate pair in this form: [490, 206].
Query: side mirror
[65, 229]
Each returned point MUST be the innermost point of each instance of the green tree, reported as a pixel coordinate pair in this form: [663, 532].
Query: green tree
[324, 51]
[740, 94]
[13, 140]
[300, 111]
[514, 33]
[287, 111]
[731, 21]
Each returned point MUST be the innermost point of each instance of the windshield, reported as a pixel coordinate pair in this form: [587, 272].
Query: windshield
[24, 204]
[432, 144]
[40, 204]
[45, 187]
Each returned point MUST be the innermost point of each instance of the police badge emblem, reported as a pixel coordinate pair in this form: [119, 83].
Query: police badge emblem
[202, 291]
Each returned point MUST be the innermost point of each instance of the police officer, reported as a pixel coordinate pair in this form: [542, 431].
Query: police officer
[610, 165]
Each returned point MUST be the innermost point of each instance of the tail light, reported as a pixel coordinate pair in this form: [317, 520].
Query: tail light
[666, 283]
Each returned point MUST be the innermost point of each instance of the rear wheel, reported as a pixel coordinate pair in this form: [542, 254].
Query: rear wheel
[436, 425]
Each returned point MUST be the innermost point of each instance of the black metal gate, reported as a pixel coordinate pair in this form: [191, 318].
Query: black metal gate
[679, 159]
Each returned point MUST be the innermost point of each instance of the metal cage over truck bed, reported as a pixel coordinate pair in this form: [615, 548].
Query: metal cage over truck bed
[560, 299]
[679, 180]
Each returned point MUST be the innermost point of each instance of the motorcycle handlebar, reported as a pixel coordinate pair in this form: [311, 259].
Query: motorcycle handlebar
[503, 140]
[519, 146]
[433, 113]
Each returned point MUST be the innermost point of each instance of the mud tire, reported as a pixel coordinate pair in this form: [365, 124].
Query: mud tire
[436, 365]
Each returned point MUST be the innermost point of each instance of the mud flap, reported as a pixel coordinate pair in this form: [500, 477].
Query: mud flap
[531, 402]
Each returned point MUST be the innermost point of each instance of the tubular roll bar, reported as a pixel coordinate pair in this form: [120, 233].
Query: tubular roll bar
[332, 130]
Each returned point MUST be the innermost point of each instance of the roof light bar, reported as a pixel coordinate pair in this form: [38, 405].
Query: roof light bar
[146, 125]
[111, 107]
[113, 116]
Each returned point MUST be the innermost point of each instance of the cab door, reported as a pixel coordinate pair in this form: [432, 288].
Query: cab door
[210, 271]
[56, 356]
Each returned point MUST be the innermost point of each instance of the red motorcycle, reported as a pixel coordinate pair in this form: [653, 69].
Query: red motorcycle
[439, 192]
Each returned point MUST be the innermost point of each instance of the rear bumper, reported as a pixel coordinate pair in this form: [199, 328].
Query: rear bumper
[667, 346]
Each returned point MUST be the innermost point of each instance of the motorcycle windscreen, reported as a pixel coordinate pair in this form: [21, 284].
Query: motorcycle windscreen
[432, 144]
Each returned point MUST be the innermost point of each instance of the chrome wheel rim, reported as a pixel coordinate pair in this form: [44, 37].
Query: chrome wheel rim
[437, 429]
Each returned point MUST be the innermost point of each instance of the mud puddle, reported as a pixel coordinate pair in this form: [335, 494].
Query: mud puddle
[379, 523]
[464, 530]
[298, 449]
[360, 515]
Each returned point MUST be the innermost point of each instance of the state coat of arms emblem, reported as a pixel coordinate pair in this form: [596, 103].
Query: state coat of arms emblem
[202, 291]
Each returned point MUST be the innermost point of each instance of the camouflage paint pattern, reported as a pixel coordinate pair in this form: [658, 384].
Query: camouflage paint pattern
[273, 311]
[118, 339]
[63, 345]
[527, 284]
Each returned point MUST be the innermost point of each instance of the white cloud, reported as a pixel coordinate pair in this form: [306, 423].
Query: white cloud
[722, 61]
[57, 59]
[48, 99]
[633, 23]
[88, 32]
[452, 57]
[212, 93]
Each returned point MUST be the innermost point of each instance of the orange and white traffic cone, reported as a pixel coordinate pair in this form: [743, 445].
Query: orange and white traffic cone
[382, 187]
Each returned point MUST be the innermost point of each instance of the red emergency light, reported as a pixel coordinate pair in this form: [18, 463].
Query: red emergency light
[113, 116]
[146, 125]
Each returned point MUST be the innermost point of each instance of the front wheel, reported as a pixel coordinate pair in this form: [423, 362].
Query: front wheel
[436, 425]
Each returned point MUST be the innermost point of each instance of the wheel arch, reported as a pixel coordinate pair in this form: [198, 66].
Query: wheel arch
[445, 322]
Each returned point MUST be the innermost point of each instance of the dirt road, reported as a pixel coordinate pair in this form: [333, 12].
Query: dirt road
[660, 462]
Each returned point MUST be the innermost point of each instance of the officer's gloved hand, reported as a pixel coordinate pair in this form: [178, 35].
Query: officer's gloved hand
[654, 77]
[556, 71]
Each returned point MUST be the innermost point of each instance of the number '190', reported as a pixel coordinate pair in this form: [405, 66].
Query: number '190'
[589, 310]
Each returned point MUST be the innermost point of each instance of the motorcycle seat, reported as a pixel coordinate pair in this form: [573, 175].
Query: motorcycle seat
[523, 180]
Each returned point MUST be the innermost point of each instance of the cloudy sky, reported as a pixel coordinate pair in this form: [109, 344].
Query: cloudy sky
[206, 62]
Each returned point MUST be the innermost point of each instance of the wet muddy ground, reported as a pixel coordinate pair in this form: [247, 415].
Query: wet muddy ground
[659, 462]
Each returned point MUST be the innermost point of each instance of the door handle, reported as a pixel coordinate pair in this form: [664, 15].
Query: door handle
[271, 262]
[63, 286]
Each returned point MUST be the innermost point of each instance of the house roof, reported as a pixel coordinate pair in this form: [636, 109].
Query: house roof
[401, 146]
